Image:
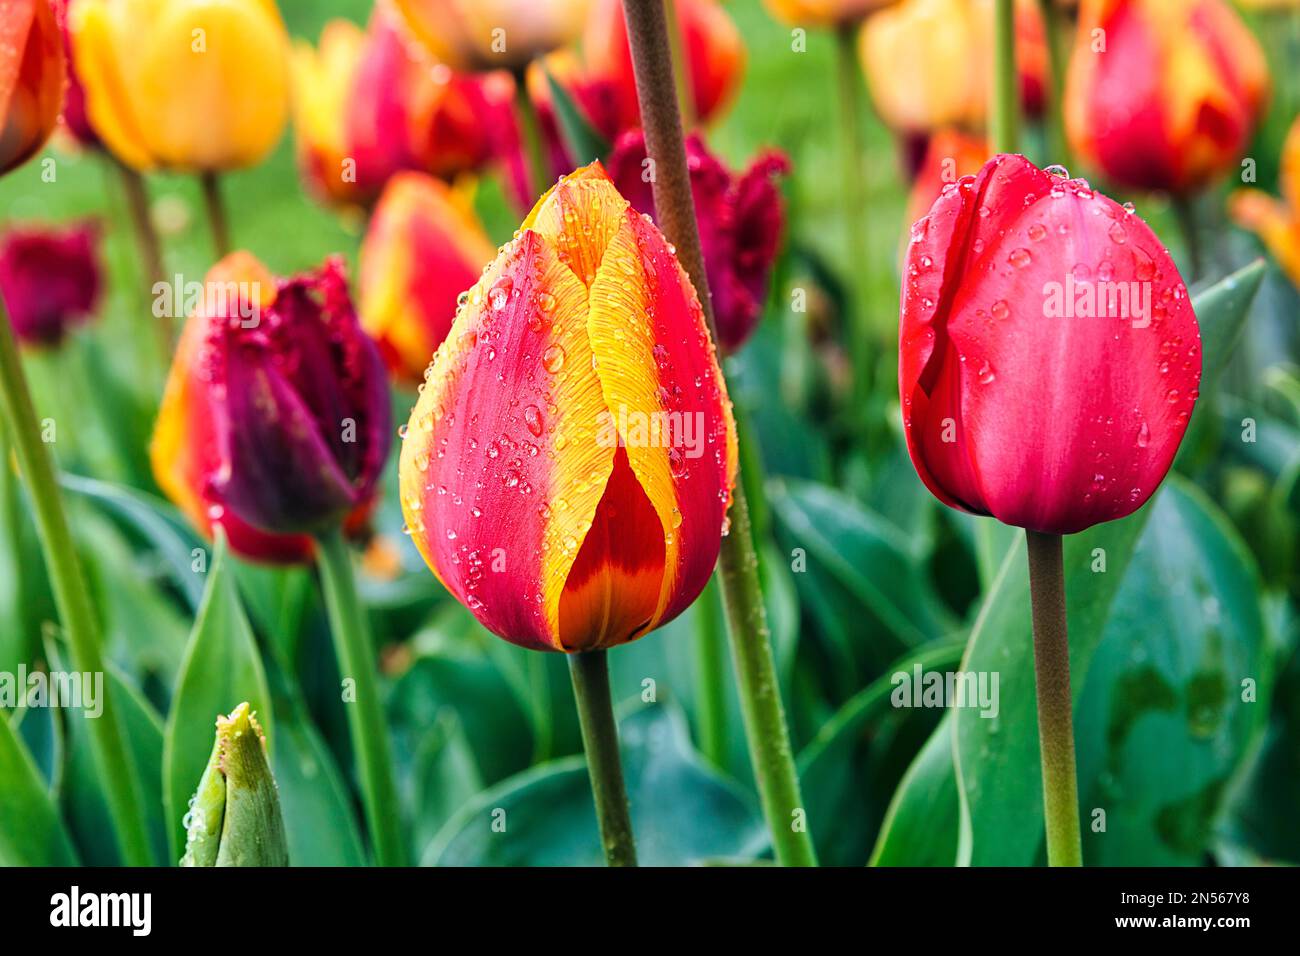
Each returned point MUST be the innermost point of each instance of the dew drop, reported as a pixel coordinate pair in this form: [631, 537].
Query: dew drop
[553, 359]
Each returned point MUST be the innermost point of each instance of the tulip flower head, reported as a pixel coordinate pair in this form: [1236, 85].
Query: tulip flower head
[50, 280]
[31, 79]
[475, 35]
[184, 85]
[1049, 355]
[711, 46]
[423, 248]
[275, 423]
[567, 469]
[824, 13]
[1171, 101]
[740, 219]
[1276, 222]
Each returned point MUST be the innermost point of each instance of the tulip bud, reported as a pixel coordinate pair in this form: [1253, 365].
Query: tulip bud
[423, 248]
[234, 817]
[276, 421]
[711, 46]
[1163, 94]
[567, 469]
[929, 62]
[1276, 222]
[1049, 356]
[740, 220]
[186, 85]
[50, 280]
[824, 13]
[475, 35]
[31, 79]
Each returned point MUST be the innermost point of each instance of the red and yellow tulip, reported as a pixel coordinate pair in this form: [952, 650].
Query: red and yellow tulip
[1276, 222]
[567, 469]
[185, 85]
[424, 247]
[31, 79]
[1171, 101]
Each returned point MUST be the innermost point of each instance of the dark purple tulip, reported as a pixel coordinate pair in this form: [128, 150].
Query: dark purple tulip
[740, 219]
[50, 279]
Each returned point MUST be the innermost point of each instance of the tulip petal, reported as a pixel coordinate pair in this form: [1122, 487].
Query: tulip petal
[96, 30]
[509, 414]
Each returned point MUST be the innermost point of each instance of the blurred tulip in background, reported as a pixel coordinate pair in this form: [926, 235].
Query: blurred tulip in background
[50, 279]
[31, 79]
[1276, 222]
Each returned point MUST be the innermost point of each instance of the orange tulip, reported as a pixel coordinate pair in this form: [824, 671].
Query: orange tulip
[823, 13]
[31, 79]
[475, 35]
[567, 469]
[1172, 99]
[1276, 222]
[929, 63]
[712, 48]
[423, 248]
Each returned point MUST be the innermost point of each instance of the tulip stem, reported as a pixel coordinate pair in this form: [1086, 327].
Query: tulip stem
[530, 131]
[590, 673]
[112, 758]
[710, 672]
[1057, 60]
[1052, 679]
[859, 328]
[1004, 123]
[216, 210]
[146, 236]
[751, 645]
[356, 658]
[1189, 225]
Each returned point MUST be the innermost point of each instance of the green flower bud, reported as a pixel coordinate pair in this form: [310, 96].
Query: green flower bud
[234, 817]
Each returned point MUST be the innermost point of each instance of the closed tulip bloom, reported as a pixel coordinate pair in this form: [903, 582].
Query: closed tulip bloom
[823, 13]
[31, 79]
[567, 469]
[492, 34]
[50, 280]
[276, 420]
[1049, 355]
[928, 63]
[713, 53]
[184, 85]
[1172, 101]
[740, 219]
[1276, 222]
[423, 248]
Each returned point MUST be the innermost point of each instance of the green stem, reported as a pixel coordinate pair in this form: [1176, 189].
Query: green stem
[72, 598]
[710, 676]
[1003, 124]
[1189, 225]
[146, 237]
[539, 692]
[1052, 680]
[751, 641]
[530, 131]
[216, 210]
[1057, 61]
[859, 328]
[590, 673]
[356, 658]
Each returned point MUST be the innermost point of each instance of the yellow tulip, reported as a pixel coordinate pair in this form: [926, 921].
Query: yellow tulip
[1276, 221]
[823, 13]
[185, 85]
[475, 35]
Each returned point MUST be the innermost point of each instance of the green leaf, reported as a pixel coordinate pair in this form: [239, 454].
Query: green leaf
[221, 669]
[834, 772]
[445, 778]
[580, 137]
[1162, 725]
[682, 812]
[31, 833]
